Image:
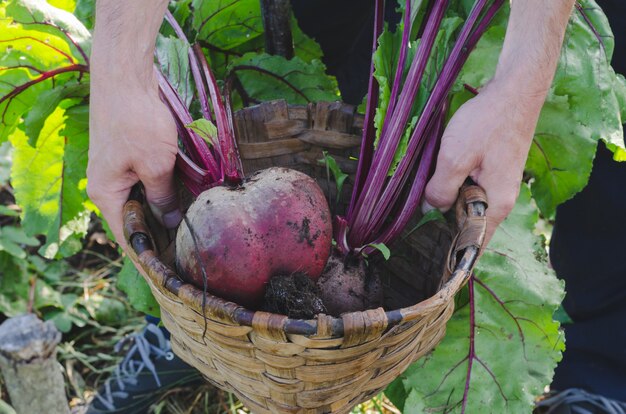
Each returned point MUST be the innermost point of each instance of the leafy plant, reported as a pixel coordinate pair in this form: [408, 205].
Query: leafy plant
[502, 343]
[509, 303]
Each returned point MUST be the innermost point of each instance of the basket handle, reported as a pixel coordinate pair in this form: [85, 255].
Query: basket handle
[136, 231]
[471, 225]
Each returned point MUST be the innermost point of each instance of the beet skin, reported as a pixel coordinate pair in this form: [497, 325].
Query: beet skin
[277, 222]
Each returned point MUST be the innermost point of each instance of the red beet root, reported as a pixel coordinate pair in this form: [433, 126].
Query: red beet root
[277, 222]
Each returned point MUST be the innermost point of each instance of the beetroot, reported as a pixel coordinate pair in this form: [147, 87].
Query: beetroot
[275, 222]
[349, 285]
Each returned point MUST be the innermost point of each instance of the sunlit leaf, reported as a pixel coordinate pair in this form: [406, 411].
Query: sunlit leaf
[265, 77]
[502, 343]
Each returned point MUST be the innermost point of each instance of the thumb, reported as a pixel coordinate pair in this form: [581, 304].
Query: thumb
[162, 197]
[442, 189]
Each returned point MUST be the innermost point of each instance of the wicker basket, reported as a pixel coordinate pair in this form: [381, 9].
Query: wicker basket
[278, 365]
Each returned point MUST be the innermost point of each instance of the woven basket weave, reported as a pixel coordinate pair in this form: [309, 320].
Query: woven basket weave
[327, 365]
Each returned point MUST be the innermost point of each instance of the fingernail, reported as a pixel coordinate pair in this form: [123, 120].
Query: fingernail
[426, 207]
[172, 219]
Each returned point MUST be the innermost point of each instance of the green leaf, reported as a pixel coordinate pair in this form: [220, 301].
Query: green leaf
[513, 344]
[225, 24]
[382, 248]
[12, 240]
[304, 47]
[14, 285]
[41, 16]
[340, 176]
[107, 311]
[583, 106]
[173, 57]
[67, 5]
[181, 10]
[85, 12]
[265, 77]
[432, 215]
[206, 129]
[6, 160]
[47, 103]
[40, 47]
[136, 288]
[49, 180]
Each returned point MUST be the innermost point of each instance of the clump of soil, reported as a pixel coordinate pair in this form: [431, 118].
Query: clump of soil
[294, 295]
[349, 286]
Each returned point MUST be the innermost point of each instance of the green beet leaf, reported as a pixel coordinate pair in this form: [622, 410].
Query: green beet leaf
[206, 129]
[265, 77]
[52, 194]
[13, 239]
[502, 344]
[225, 24]
[40, 16]
[136, 288]
[46, 103]
[304, 47]
[40, 47]
[14, 285]
[173, 58]
[583, 107]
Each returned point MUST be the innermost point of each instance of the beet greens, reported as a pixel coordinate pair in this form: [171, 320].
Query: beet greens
[381, 181]
[201, 166]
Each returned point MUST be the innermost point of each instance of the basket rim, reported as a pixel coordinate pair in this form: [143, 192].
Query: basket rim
[139, 238]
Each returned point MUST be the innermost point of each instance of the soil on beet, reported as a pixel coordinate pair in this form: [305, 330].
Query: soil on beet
[294, 295]
[349, 286]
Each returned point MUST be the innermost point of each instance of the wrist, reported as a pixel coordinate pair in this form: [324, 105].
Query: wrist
[522, 91]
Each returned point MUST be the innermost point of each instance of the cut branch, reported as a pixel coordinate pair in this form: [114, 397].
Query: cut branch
[277, 25]
[29, 366]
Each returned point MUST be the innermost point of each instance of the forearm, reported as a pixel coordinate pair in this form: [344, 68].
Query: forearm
[532, 47]
[124, 39]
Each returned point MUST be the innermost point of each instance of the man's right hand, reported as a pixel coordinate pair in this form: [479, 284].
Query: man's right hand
[132, 134]
[132, 138]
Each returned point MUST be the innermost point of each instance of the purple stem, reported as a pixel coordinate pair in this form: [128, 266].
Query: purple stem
[580, 10]
[388, 143]
[196, 146]
[231, 162]
[472, 343]
[465, 43]
[369, 132]
[404, 47]
[424, 169]
[44, 76]
[195, 68]
[231, 127]
[461, 50]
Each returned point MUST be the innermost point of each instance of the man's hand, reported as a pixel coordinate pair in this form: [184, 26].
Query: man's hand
[132, 138]
[132, 133]
[489, 136]
[488, 140]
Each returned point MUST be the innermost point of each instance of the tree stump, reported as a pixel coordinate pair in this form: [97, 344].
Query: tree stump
[28, 363]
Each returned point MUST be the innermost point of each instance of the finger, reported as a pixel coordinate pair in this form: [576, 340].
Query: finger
[501, 197]
[111, 205]
[443, 188]
[162, 197]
